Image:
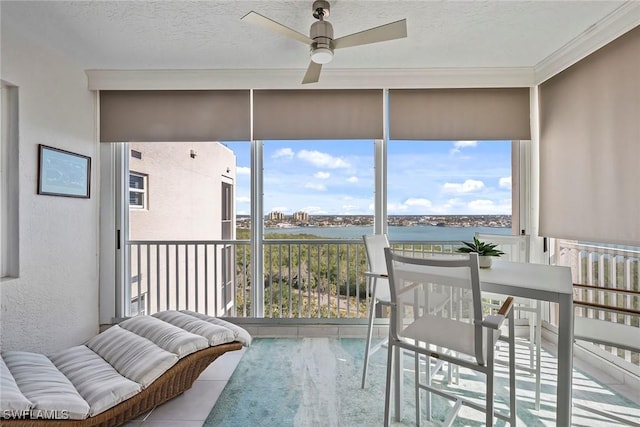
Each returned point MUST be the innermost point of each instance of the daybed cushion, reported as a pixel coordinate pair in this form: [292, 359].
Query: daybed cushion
[96, 381]
[45, 386]
[213, 333]
[239, 334]
[135, 357]
[165, 335]
[11, 398]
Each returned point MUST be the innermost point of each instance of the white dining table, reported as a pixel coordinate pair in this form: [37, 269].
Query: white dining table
[540, 282]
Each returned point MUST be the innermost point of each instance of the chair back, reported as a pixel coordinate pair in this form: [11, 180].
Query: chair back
[458, 325]
[515, 248]
[375, 245]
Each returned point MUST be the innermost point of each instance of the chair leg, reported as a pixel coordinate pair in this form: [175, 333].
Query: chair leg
[538, 355]
[387, 393]
[512, 370]
[490, 373]
[532, 339]
[428, 396]
[372, 315]
[417, 385]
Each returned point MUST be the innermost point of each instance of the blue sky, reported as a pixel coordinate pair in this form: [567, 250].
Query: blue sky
[336, 177]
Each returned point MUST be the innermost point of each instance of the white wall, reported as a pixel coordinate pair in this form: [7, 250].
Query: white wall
[183, 193]
[53, 303]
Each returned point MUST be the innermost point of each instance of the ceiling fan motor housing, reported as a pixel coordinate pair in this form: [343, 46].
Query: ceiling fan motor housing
[322, 46]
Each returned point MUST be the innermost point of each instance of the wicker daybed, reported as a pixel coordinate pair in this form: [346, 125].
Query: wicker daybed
[172, 382]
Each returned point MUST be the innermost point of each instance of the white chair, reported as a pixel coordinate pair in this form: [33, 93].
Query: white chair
[378, 285]
[516, 249]
[458, 335]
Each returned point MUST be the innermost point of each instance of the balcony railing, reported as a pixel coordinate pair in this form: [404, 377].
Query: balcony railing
[319, 278]
[606, 286]
[324, 279]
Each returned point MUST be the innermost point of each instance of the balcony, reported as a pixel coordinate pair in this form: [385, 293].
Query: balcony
[322, 281]
[318, 288]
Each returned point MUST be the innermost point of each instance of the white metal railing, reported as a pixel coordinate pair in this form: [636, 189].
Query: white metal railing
[303, 278]
[606, 286]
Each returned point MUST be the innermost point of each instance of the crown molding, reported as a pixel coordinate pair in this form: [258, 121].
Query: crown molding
[623, 19]
[290, 79]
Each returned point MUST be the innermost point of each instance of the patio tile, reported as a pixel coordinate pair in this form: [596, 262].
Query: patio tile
[193, 405]
[222, 368]
[156, 423]
[278, 331]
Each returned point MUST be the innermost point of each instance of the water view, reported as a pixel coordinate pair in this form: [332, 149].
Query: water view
[418, 232]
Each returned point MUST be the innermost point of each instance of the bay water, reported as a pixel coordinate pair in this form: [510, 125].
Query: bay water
[395, 232]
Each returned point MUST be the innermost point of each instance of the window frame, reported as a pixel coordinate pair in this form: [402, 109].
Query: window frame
[143, 191]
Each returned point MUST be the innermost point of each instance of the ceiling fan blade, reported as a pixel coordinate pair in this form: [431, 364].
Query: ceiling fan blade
[391, 31]
[263, 21]
[313, 73]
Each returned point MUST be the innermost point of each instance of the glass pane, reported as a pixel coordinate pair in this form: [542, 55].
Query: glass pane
[322, 188]
[242, 187]
[136, 199]
[136, 181]
[448, 190]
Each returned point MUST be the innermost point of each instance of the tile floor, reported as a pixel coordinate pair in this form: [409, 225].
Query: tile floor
[192, 408]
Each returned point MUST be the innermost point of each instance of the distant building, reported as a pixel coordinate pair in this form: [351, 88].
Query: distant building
[276, 216]
[300, 216]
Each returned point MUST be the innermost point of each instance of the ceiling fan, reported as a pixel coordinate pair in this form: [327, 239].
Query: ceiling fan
[321, 41]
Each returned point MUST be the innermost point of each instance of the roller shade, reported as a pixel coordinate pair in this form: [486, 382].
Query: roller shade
[175, 115]
[459, 114]
[590, 147]
[317, 114]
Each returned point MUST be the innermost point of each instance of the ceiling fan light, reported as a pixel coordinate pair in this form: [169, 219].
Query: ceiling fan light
[322, 55]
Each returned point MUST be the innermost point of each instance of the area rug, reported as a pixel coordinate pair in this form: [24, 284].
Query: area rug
[316, 382]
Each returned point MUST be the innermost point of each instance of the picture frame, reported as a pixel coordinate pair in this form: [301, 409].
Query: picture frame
[63, 173]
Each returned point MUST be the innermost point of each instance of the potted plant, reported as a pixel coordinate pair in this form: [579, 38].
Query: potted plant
[484, 250]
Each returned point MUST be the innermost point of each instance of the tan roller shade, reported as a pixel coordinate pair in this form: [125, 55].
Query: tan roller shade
[459, 114]
[175, 115]
[590, 147]
[317, 114]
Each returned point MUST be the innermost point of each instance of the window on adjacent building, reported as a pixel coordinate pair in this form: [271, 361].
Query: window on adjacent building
[227, 210]
[137, 191]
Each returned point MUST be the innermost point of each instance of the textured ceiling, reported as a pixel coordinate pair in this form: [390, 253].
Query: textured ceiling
[210, 35]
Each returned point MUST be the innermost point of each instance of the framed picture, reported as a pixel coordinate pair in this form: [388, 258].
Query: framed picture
[63, 173]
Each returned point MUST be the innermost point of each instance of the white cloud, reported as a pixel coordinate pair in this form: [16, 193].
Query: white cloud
[505, 182]
[462, 144]
[282, 209]
[458, 145]
[349, 208]
[243, 199]
[481, 204]
[322, 160]
[395, 208]
[315, 186]
[424, 203]
[484, 206]
[352, 179]
[469, 186]
[322, 175]
[287, 153]
[314, 210]
[243, 170]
